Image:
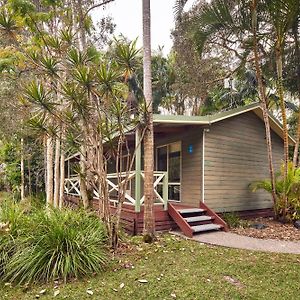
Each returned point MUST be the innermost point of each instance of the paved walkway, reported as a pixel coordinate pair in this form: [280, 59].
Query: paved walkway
[232, 240]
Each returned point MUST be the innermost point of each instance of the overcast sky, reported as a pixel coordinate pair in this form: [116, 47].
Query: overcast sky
[127, 14]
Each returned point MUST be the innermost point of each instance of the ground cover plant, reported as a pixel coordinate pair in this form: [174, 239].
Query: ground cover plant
[175, 268]
[38, 245]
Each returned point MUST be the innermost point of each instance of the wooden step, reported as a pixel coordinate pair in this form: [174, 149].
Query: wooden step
[190, 210]
[206, 227]
[198, 219]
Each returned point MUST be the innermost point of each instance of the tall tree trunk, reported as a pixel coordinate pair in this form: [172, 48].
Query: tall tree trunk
[297, 53]
[149, 221]
[263, 99]
[29, 178]
[83, 176]
[83, 156]
[22, 171]
[62, 170]
[282, 106]
[45, 161]
[82, 34]
[49, 170]
[56, 172]
[279, 68]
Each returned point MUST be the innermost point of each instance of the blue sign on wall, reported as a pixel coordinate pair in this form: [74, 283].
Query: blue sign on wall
[190, 149]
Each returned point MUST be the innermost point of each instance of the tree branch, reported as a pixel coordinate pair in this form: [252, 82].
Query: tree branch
[95, 6]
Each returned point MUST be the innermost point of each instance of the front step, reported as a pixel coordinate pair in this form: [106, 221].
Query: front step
[205, 227]
[195, 220]
[198, 219]
[191, 211]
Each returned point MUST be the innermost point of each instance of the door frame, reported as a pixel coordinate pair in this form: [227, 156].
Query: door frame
[156, 163]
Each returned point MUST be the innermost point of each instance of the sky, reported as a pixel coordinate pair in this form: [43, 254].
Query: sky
[127, 15]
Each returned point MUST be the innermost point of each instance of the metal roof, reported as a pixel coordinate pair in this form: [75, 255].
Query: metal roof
[210, 119]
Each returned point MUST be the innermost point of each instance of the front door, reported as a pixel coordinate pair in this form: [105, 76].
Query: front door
[168, 158]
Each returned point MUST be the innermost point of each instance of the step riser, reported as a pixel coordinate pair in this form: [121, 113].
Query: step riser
[188, 215]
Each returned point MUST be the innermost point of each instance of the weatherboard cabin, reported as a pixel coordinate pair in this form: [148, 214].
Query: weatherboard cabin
[203, 167]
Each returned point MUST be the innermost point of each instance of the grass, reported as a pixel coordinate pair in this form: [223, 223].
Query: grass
[174, 267]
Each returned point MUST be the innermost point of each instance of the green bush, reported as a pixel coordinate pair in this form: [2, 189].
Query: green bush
[46, 245]
[285, 209]
[232, 219]
[11, 218]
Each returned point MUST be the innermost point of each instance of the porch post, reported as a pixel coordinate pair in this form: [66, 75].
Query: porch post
[138, 159]
[165, 191]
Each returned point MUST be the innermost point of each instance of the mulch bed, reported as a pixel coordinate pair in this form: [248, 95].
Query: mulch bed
[274, 230]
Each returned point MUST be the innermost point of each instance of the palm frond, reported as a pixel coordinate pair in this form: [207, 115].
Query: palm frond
[178, 8]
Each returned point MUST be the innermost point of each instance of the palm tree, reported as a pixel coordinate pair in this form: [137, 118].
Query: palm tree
[295, 35]
[282, 14]
[227, 20]
[149, 221]
[263, 97]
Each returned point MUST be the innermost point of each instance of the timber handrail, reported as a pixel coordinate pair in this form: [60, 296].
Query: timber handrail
[180, 221]
[72, 187]
[216, 218]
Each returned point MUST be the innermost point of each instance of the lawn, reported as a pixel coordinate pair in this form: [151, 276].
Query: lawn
[174, 268]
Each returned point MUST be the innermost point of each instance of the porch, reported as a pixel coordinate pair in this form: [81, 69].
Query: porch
[177, 182]
[177, 157]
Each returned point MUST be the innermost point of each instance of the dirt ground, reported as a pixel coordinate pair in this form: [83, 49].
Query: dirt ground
[274, 230]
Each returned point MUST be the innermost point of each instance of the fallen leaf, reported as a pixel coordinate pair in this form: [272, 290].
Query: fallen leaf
[56, 293]
[122, 285]
[233, 281]
[89, 292]
[42, 292]
[143, 281]
[173, 295]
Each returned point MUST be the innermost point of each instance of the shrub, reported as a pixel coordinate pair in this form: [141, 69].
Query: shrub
[285, 209]
[232, 219]
[12, 214]
[11, 218]
[46, 245]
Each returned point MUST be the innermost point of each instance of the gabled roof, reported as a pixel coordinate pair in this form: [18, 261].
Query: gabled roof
[211, 119]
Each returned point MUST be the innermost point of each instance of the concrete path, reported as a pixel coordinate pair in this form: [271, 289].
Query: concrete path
[232, 240]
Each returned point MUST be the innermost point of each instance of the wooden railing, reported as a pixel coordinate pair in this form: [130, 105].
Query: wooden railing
[116, 180]
[72, 186]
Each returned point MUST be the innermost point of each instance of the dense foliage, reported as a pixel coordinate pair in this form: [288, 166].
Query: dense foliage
[10, 173]
[37, 246]
[286, 208]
